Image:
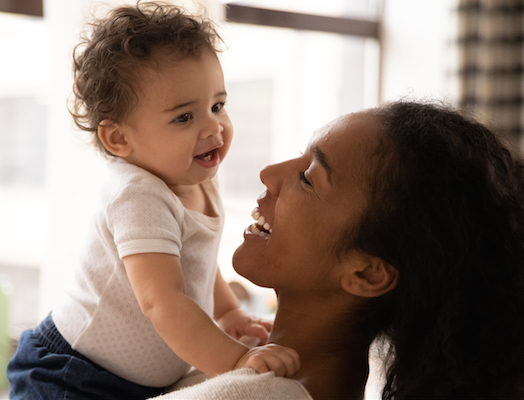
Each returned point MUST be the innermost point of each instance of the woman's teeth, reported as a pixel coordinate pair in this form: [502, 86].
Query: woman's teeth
[260, 227]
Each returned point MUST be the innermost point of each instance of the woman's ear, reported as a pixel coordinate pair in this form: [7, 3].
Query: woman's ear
[113, 138]
[368, 276]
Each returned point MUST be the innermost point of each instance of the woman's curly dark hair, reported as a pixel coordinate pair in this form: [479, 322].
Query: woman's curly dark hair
[447, 211]
[107, 61]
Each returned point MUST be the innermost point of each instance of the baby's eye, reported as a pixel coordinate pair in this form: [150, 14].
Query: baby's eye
[184, 118]
[303, 178]
[217, 107]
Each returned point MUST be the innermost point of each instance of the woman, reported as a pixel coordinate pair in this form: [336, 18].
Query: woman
[403, 223]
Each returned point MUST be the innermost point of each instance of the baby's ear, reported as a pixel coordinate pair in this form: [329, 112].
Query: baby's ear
[113, 138]
[368, 276]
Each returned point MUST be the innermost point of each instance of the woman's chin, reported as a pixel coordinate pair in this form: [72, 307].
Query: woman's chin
[248, 264]
[240, 259]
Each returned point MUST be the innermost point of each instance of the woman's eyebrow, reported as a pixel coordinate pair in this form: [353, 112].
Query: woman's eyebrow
[322, 160]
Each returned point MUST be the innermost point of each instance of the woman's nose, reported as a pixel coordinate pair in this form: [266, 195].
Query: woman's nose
[271, 176]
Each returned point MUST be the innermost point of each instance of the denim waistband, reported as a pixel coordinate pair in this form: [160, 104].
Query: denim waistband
[54, 341]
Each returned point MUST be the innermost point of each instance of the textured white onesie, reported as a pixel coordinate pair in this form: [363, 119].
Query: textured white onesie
[101, 317]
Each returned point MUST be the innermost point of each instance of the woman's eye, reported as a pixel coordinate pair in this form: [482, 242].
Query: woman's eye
[184, 118]
[217, 107]
[303, 178]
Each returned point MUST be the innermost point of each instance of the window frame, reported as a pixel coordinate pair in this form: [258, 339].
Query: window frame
[361, 27]
[26, 7]
[293, 20]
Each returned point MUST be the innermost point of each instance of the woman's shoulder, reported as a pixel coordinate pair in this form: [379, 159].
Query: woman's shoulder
[242, 384]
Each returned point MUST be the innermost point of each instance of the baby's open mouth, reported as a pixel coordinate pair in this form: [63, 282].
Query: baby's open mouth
[207, 156]
[260, 227]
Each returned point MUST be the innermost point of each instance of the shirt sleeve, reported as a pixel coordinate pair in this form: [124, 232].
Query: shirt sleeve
[146, 217]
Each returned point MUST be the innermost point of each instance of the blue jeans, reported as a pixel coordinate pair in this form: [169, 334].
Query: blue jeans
[46, 367]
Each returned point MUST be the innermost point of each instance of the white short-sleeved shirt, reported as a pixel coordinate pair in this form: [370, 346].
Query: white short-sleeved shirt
[100, 316]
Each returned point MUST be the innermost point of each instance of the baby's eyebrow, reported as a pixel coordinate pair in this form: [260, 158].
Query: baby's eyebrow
[322, 160]
[188, 103]
[179, 106]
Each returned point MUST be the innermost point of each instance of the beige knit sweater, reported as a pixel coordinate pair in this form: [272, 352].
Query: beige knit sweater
[242, 384]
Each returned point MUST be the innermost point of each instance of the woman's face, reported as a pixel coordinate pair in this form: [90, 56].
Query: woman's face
[308, 203]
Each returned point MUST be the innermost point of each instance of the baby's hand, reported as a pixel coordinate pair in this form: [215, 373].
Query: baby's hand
[283, 361]
[238, 323]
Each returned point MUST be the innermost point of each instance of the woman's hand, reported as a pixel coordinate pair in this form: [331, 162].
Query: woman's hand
[283, 361]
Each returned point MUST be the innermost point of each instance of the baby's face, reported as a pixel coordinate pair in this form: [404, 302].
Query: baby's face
[180, 130]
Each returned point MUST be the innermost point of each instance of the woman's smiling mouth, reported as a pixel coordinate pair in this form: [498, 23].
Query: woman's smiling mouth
[260, 227]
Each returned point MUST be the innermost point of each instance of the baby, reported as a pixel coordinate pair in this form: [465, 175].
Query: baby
[150, 88]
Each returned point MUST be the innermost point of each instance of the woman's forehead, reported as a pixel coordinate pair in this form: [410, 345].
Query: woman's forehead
[347, 145]
[348, 142]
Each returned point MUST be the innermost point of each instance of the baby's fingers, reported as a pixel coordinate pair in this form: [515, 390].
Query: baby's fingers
[266, 323]
[281, 360]
[258, 331]
[258, 363]
[291, 361]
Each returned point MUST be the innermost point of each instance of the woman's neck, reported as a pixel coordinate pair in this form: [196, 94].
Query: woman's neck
[334, 362]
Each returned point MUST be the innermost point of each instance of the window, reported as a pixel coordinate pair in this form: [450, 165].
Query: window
[24, 73]
[23, 122]
[283, 83]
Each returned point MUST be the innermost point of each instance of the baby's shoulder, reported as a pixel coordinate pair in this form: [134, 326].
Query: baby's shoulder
[125, 177]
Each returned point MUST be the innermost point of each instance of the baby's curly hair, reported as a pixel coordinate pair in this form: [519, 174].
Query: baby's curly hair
[107, 61]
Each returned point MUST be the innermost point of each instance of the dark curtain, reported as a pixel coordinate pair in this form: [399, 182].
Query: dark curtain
[491, 59]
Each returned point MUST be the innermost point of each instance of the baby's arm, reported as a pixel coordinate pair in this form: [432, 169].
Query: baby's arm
[158, 283]
[232, 319]
[238, 323]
